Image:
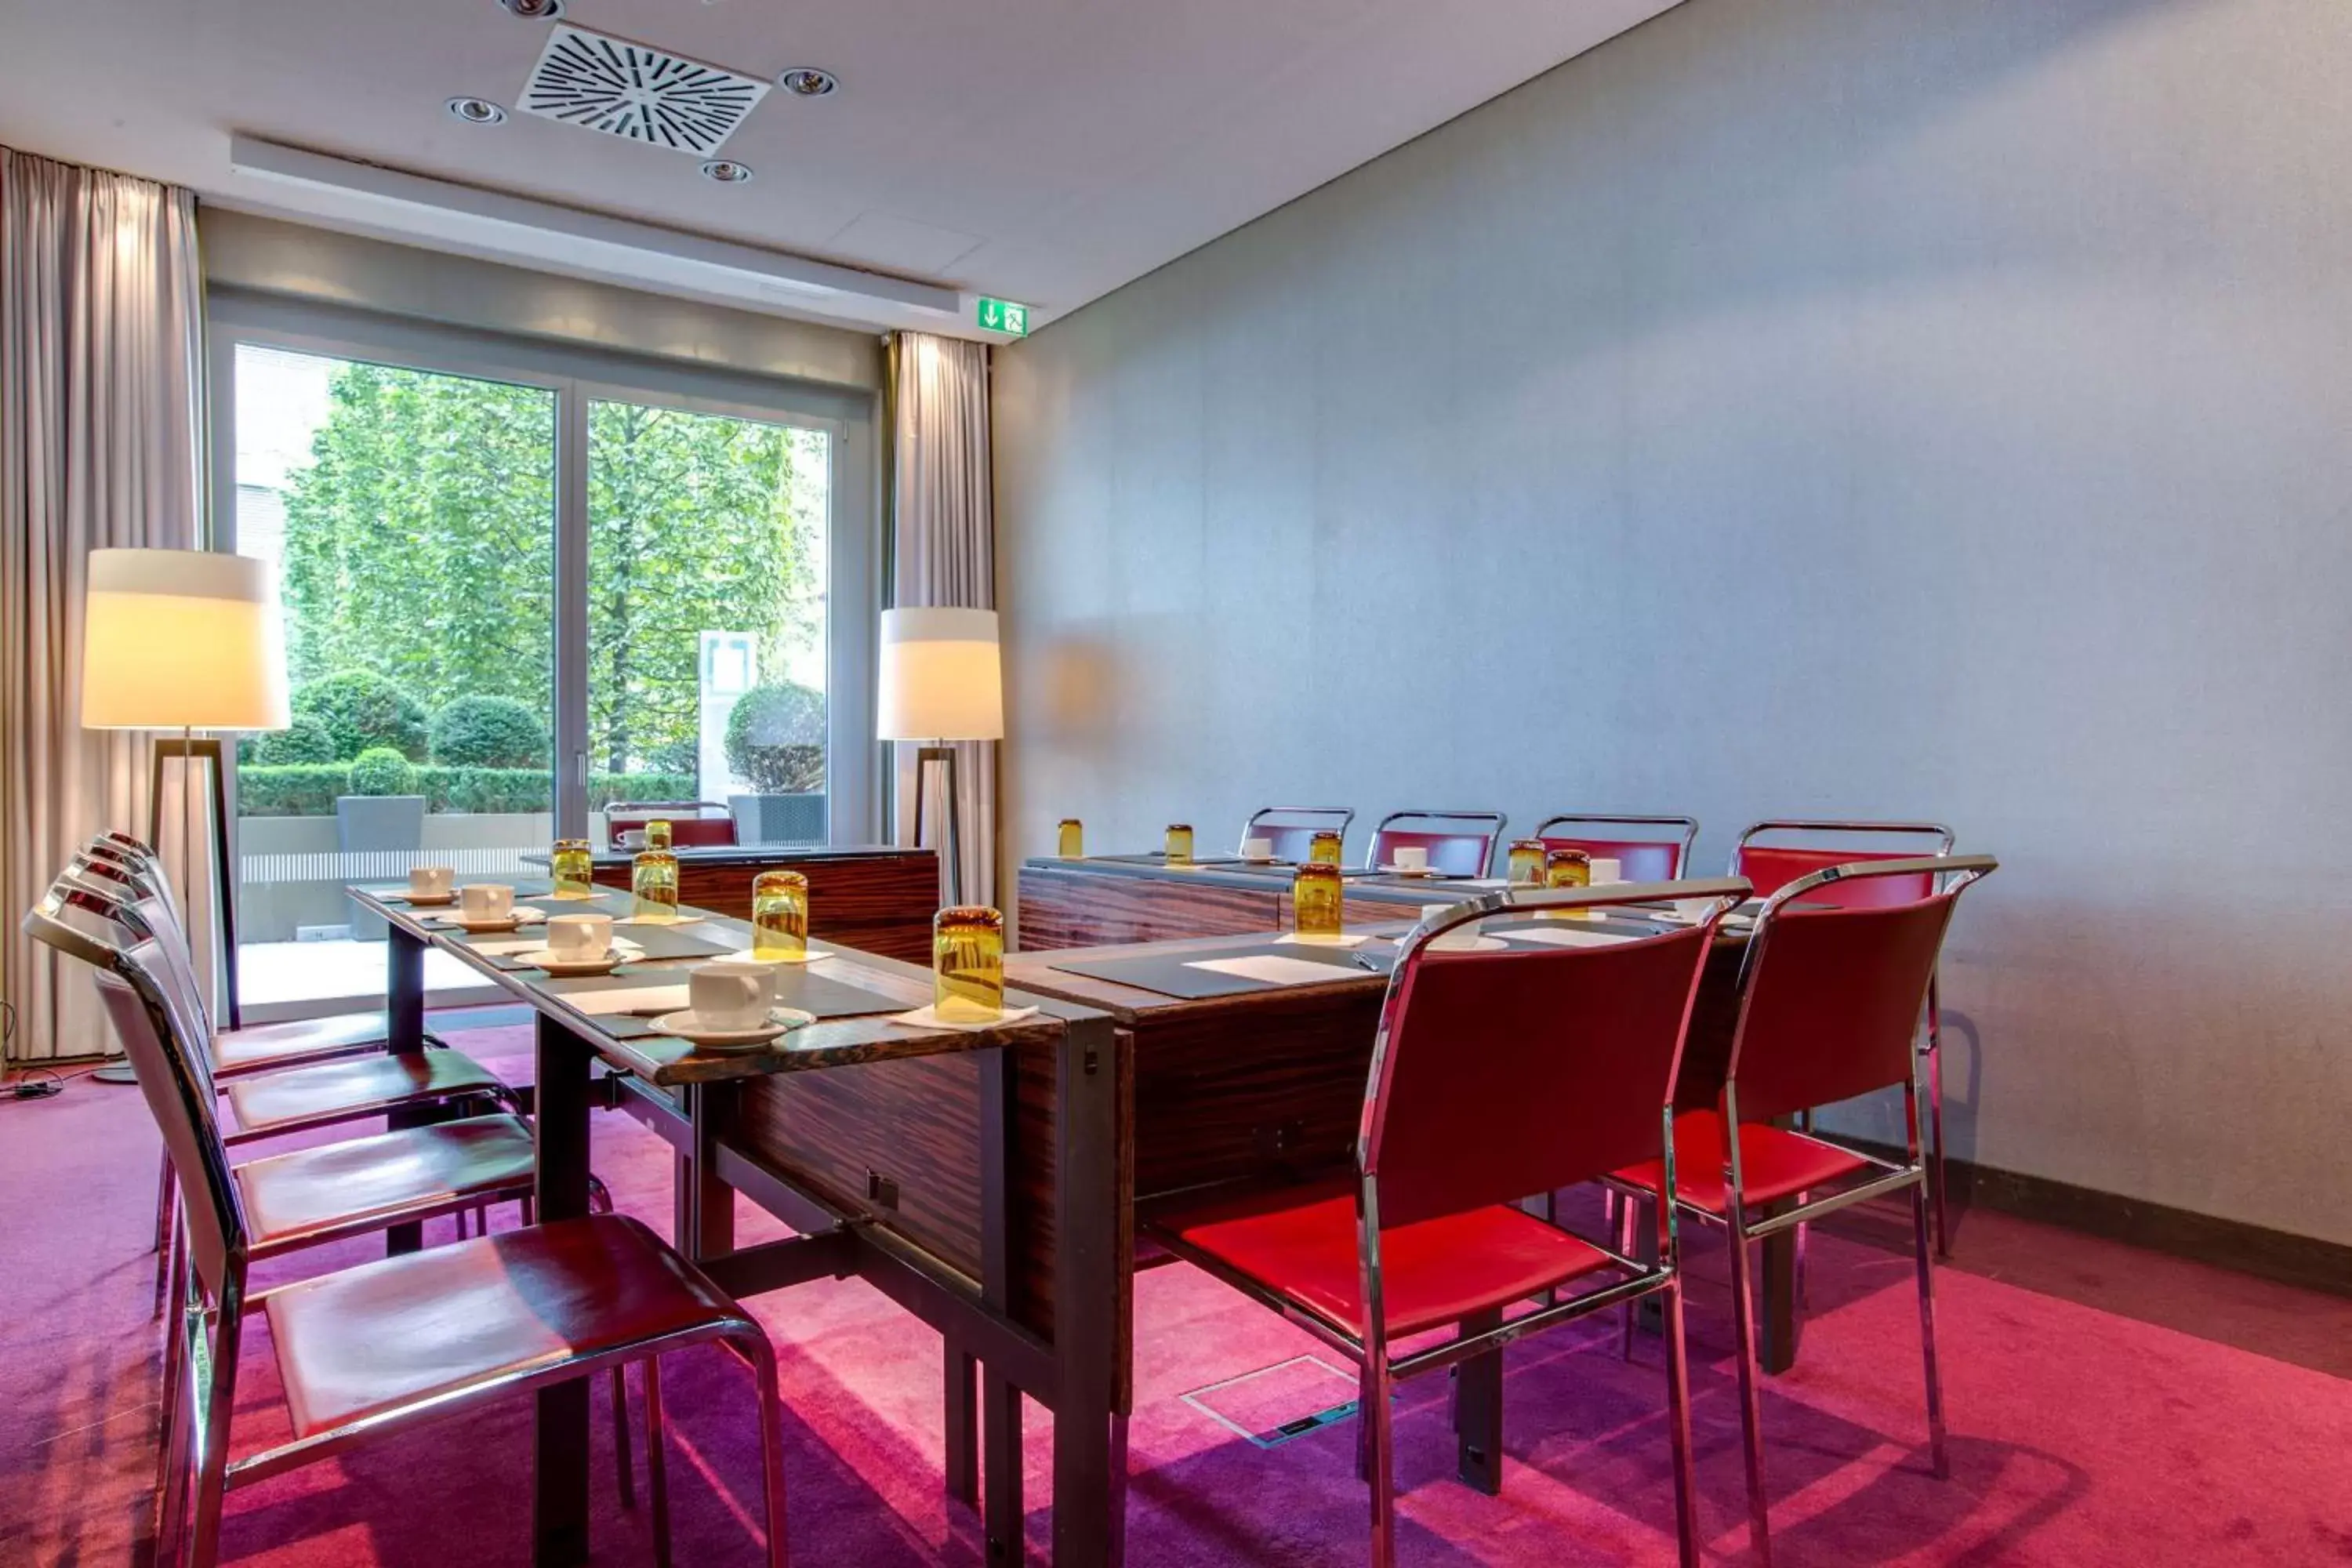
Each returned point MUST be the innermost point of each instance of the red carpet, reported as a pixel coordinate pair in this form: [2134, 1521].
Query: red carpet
[2079, 1436]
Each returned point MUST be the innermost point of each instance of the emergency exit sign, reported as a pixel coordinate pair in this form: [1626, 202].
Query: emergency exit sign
[1004, 316]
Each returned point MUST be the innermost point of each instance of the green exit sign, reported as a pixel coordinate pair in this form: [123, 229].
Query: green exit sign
[1004, 316]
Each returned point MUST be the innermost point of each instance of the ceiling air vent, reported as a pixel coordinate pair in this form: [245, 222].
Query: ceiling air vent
[628, 89]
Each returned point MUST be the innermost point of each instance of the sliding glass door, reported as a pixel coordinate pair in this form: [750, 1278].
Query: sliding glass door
[524, 582]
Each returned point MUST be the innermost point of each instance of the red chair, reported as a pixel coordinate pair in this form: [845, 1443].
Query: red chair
[369, 1351]
[689, 828]
[1641, 857]
[1494, 1075]
[1464, 849]
[1830, 996]
[1292, 828]
[1773, 867]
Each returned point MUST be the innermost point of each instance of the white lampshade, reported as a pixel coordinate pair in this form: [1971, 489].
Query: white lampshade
[181, 639]
[941, 678]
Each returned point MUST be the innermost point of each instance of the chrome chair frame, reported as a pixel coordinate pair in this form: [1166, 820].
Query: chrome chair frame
[1497, 820]
[1327, 819]
[1931, 1046]
[1377, 1372]
[1886, 1177]
[1688, 824]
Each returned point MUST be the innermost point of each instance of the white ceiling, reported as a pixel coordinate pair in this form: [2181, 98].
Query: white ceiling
[1044, 150]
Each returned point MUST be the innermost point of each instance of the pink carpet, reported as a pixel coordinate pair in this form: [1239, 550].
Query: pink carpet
[2080, 1435]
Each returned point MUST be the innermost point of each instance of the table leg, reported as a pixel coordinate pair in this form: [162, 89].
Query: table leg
[559, 1497]
[962, 1421]
[1089, 1427]
[1478, 1412]
[710, 1202]
[1776, 1349]
[1004, 1516]
[403, 1015]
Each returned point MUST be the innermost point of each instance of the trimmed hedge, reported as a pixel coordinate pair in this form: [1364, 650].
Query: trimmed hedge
[360, 710]
[488, 732]
[310, 790]
[775, 738]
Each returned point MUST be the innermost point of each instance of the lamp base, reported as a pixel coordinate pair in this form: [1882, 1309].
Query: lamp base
[113, 1072]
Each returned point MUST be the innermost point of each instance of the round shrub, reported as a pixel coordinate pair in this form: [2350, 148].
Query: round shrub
[305, 741]
[776, 739]
[489, 732]
[361, 710]
[379, 770]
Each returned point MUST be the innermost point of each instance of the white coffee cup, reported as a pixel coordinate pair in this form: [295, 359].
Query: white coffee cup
[486, 900]
[1607, 871]
[1258, 848]
[632, 839]
[582, 937]
[432, 881]
[1412, 857]
[1461, 938]
[731, 994]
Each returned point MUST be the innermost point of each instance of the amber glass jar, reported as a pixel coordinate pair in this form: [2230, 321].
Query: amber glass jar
[968, 963]
[1180, 844]
[573, 866]
[657, 833]
[1567, 868]
[780, 915]
[1073, 839]
[653, 878]
[1323, 849]
[1316, 900]
[1526, 862]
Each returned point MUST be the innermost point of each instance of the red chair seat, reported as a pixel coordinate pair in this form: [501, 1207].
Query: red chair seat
[361, 1185]
[1302, 1244]
[361, 1086]
[293, 1044]
[401, 1329]
[1775, 1163]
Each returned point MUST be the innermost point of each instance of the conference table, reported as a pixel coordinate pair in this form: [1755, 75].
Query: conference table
[1264, 1088]
[877, 897]
[979, 1179]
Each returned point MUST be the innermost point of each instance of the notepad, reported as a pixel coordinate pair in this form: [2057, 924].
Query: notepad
[1271, 969]
[636, 999]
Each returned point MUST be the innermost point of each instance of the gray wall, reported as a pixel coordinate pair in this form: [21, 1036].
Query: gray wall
[1890, 407]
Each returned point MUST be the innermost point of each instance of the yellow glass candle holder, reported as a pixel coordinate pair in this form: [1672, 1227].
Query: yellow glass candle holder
[1317, 900]
[780, 916]
[1073, 837]
[968, 963]
[1180, 844]
[657, 833]
[1526, 862]
[653, 878]
[1567, 868]
[573, 866]
[1323, 849]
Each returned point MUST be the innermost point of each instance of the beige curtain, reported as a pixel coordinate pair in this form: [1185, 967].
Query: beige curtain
[100, 388]
[944, 548]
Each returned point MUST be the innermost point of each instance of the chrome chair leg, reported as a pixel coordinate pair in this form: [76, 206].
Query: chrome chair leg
[657, 1458]
[1935, 1054]
[172, 1450]
[1629, 1209]
[762, 1357]
[1937, 1456]
[166, 1188]
[625, 1465]
[1380, 1460]
[210, 1482]
[1751, 1412]
[1678, 1429]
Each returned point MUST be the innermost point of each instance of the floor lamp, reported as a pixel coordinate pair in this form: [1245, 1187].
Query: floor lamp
[185, 640]
[941, 680]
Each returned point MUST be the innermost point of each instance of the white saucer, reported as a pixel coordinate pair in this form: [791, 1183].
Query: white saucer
[521, 915]
[431, 900]
[1484, 944]
[1269, 860]
[1409, 871]
[808, 956]
[544, 958]
[681, 1026]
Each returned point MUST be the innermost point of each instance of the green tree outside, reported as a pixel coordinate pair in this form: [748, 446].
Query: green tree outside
[419, 543]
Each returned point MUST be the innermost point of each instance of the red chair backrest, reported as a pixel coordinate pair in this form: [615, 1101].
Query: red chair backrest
[1772, 867]
[1292, 828]
[686, 831]
[1638, 859]
[1289, 843]
[1521, 1071]
[1831, 998]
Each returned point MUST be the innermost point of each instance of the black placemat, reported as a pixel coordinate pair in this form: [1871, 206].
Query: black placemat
[795, 987]
[669, 941]
[1172, 975]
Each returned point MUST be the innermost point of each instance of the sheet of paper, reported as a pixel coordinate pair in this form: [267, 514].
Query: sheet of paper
[928, 1018]
[1351, 939]
[1564, 936]
[637, 999]
[1274, 971]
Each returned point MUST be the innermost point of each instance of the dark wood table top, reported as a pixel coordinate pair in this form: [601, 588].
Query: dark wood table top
[660, 1059]
[1218, 871]
[752, 854]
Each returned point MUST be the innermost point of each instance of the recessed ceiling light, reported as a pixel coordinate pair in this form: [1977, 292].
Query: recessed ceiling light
[475, 110]
[534, 10]
[727, 172]
[807, 81]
